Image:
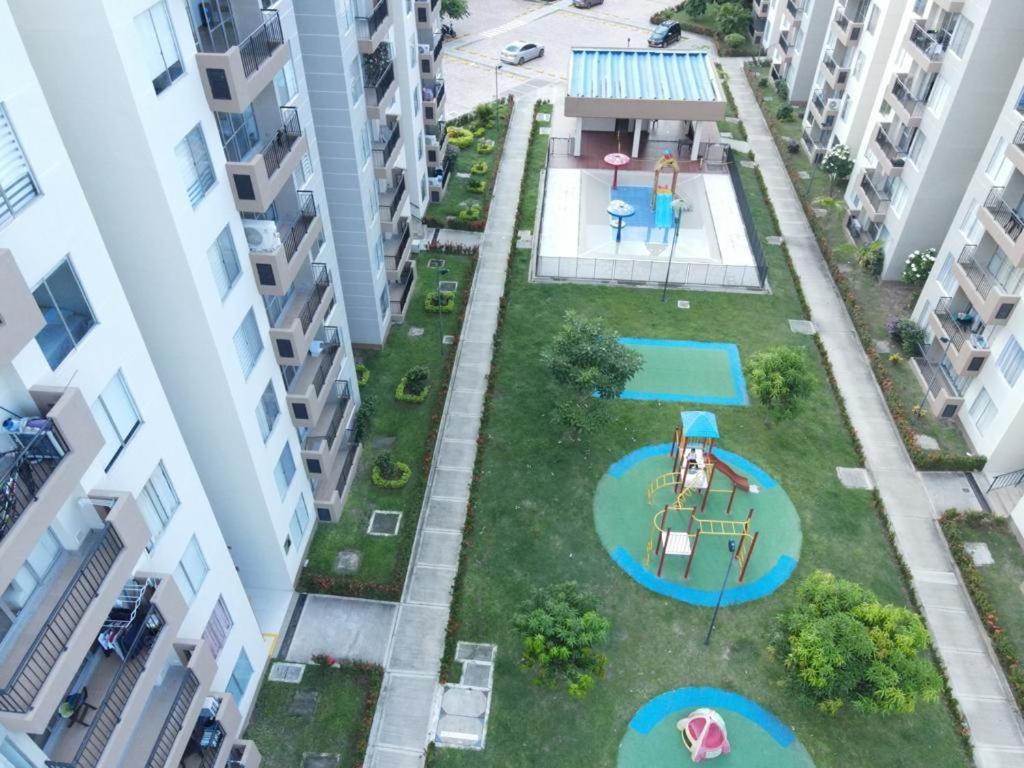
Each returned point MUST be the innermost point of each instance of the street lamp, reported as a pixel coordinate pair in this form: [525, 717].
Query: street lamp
[728, 569]
[441, 272]
[678, 206]
[944, 341]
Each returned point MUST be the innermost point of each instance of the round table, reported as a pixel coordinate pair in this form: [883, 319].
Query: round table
[620, 210]
[616, 160]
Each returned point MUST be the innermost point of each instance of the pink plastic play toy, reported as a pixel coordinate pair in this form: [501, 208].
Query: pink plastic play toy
[704, 735]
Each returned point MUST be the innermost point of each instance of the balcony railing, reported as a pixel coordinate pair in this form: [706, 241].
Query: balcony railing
[350, 457]
[908, 100]
[25, 471]
[980, 278]
[795, 7]
[366, 26]
[42, 654]
[332, 343]
[879, 200]
[932, 44]
[783, 41]
[175, 721]
[1005, 216]
[385, 147]
[405, 281]
[447, 168]
[1018, 139]
[403, 240]
[438, 44]
[321, 282]
[392, 199]
[953, 330]
[261, 44]
[341, 397]
[847, 15]
[208, 753]
[818, 99]
[275, 150]
[298, 230]
[379, 74]
[896, 156]
[836, 68]
[433, 91]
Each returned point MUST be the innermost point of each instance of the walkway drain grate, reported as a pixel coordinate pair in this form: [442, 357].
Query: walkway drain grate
[384, 523]
[448, 286]
[448, 339]
[463, 709]
[435, 263]
[681, 304]
[286, 672]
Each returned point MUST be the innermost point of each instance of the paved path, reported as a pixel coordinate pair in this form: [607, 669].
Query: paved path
[997, 731]
[398, 736]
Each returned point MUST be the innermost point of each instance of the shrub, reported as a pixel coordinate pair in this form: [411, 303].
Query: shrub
[895, 358]
[560, 626]
[779, 378]
[732, 18]
[459, 137]
[763, 82]
[479, 132]
[476, 186]
[485, 146]
[696, 7]
[782, 88]
[388, 473]
[470, 210]
[443, 302]
[413, 386]
[918, 266]
[364, 416]
[870, 257]
[323, 659]
[479, 167]
[734, 42]
[905, 332]
[362, 375]
[838, 164]
[484, 113]
[841, 645]
[784, 112]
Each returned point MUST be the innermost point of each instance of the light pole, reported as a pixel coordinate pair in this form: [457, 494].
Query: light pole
[678, 206]
[441, 272]
[944, 341]
[728, 569]
[497, 68]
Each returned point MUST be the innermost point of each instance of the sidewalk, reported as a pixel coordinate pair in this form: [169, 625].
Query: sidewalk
[978, 684]
[401, 724]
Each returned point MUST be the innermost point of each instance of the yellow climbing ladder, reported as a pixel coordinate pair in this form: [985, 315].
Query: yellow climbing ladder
[737, 528]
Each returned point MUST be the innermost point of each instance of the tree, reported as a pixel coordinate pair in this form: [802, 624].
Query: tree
[560, 626]
[734, 42]
[587, 358]
[696, 8]
[870, 256]
[732, 18]
[842, 646]
[838, 164]
[455, 9]
[779, 378]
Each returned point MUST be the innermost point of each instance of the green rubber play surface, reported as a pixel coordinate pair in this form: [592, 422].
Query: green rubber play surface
[687, 372]
[624, 521]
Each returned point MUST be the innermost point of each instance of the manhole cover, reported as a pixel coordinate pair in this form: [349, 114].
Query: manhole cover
[543, 117]
[304, 704]
[347, 561]
[322, 760]
[448, 286]
[475, 651]
[882, 346]
[284, 672]
[854, 477]
[979, 552]
[803, 327]
[773, 240]
[803, 175]
[448, 339]
[435, 263]
[476, 674]
[384, 523]
[681, 304]
[415, 330]
[927, 442]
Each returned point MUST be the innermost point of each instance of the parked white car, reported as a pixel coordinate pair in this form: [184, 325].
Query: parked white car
[519, 52]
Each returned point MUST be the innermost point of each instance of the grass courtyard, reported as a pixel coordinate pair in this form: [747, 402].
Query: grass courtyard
[534, 525]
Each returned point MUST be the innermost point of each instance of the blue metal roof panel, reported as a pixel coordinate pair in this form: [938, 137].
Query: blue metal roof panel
[642, 74]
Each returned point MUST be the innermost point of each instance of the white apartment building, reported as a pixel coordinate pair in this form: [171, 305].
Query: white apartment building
[200, 162]
[947, 80]
[969, 306]
[794, 34]
[126, 637]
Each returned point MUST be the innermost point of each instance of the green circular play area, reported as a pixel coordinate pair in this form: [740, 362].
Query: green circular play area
[643, 537]
[755, 737]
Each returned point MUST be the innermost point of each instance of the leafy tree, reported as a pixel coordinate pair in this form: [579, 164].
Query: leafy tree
[784, 112]
[732, 18]
[560, 626]
[842, 646]
[870, 257]
[587, 358]
[696, 8]
[779, 378]
[455, 9]
[838, 164]
[416, 379]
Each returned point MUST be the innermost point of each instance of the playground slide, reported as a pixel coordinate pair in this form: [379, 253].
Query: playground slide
[663, 210]
[737, 479]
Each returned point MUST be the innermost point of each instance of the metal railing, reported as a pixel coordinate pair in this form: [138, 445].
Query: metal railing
[30, 468]
[1018, 138]
[321, 282]
[111, 709]
[784, 43]
[1005, 216]
[795, 7]
[261, 44]
[845, 16]
[350, 457]
[910, 102]
[748, 218]
[1006, 480]
[932, 44]
[385, 147]
[378, 86]
[275, 150]
[402, 243]
[341, 396]
[438, 44]
[958, 337]
[208, 754]
[879, 199]
[50, 643]
[818, 100]
[366, 26]
[298, 230]
[896, 156]
[433, 91]
[447, 168]
[840, 71]
[332, 343]
[175, 721]
[405, 281]
[394, 196]
[982, 281]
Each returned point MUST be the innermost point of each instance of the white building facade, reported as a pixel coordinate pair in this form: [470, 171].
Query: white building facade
[793, 38]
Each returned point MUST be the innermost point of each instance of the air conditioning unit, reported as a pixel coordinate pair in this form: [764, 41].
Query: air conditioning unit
[261, 235]
[317, 347]
[833, 105]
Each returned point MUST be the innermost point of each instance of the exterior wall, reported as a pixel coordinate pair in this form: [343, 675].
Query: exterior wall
[805, 32]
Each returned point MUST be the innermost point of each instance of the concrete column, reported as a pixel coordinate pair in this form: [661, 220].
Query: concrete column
[637, 129]
[577, 145]
[698, 136]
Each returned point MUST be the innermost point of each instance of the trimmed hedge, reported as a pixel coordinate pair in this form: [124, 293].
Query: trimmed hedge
[405, 397]
[362, 375]
[447, 305]
[382, 482]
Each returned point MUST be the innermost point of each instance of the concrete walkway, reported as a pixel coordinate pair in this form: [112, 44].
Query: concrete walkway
[401, 724]
[978, 683]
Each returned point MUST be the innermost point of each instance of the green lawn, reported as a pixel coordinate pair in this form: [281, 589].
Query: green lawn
[878, 300]
[533, 525]
[338, 726]
[410, 424]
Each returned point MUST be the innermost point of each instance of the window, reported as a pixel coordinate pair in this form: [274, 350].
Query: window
[385, 303]
[939, 94]
[961, 35]
[194, 165]
[872, 19]
[248, 343]
[17, 185]
[240, 677]
[1011, 361]
[378, 253]
[65, 310]
[218, 627]
[224, 262]
[898, 195]
[191, 571]
[28, 579]
[846, 107]
[858, 63]
[917, 143]
[1002, 269]
[303, 171]
[284, 83]
[983, 411]
[999, 167]
[919, 6]
[268, 410]
[159, 47]
[285, 470]
[799, 42]
[117, 418]
[367, 142]
[945, 275]
[158, 502]
[299, 523]
[356, 79]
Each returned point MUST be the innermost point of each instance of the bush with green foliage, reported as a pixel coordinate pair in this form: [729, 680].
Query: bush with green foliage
[479, 168]
[843, 646]
[470, 210]
[696, 7]
[782, 88]
[784, 112]
[560, 626]
[443, 302]
[734, 41]
[780, 378]
[838, 164]
[476, 186]
[364, 416]
[455, 9]
[413, 386]
[362, 375]
[459, 137]
[908, 334]
[483, 113]
[918, 266]
[870, 257]
[732, 18]
[485, 146]
[388, 473]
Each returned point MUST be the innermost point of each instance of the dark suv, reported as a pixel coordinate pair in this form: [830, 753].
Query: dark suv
[664, 34]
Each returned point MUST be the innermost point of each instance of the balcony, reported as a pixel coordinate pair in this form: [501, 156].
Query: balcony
[321, 446]
[399, 291]
[41, 470]
[234, 74]
[118, 683]
[397, 249]
[295, 328]
[379, 82]
[307, 388]
[432, 92]
[385, 150]
[279, 249]
[823, 108]
[1004, 225]
[784, 45]
[993, 300]
[56, 627]
[928, 47]
[244, 754]
[212, 729]
[20, 318]
[259, 177]
[952, 6]
[372, 25]
[761, 8]
[794, 9]
[908, 107]
[436, 139]
[816, 146]
[392, 201]
[966, 351]
[944, 400]
[891, 158]
[849, 21]
[331, 489]
[1015, 152]
[836, 72]
[875, 201]
[438, 182]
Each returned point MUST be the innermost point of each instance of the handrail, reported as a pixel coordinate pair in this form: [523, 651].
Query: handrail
[876, 196]
[784, 42]
[343, 395]
[275, 150]
[395, 198]
[931, 44]
[174, 722]
[405, 280]
[982, 281]
[439, 40]
[1008, 219]
[261, 44]
[321, 281]
[380, 86]
[795, 7]
[1018, 139]
[208, 754]
[1006, 480]
[896, 156]
[844, 18]
[350, 456]
[50, 643]
[298, 230]
[403, 241]
[332, 340]
[367, 26]
[385, 147]
[957, 336]
[30, 470]
[910, 102]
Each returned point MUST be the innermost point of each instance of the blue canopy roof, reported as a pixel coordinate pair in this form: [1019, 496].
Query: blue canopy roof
[641, 74]
[699, 424]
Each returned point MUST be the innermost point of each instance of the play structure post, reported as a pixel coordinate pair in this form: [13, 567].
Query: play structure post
[664, 549]
[721, 592]
[693, 553]
[707, 491]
